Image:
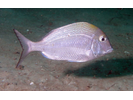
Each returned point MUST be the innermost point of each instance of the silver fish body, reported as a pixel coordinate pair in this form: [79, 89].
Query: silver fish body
[76, 42]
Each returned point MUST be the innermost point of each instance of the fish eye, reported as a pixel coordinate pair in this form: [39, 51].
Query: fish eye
[102, 38]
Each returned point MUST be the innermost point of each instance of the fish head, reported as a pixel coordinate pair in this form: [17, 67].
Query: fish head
[100, 44]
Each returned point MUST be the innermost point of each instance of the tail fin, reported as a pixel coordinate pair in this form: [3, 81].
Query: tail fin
[24, 42]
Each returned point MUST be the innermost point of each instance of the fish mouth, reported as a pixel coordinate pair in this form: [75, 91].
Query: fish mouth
[110, 50]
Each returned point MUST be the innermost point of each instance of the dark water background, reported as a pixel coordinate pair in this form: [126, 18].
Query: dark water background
[50, 18]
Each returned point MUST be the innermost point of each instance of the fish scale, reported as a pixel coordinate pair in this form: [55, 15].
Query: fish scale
[76, 42]
[78, 28]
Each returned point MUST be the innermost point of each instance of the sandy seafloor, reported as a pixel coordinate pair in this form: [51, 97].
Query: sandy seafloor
[112, 72]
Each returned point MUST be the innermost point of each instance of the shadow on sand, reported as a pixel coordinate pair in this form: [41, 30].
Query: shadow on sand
[104, 69]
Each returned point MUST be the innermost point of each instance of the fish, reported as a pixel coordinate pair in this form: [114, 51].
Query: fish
[76, 42]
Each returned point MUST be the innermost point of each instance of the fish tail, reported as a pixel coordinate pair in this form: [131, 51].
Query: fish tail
[25, 44]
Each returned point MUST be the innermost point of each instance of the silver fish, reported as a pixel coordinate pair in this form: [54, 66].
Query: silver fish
[76, 42]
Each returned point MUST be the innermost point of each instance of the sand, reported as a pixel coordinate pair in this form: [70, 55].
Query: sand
[112, 72]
